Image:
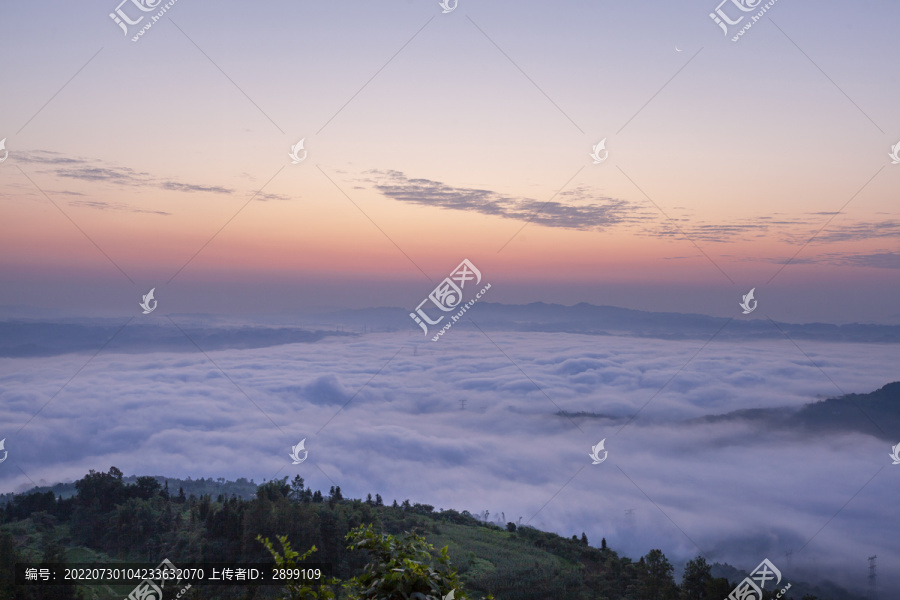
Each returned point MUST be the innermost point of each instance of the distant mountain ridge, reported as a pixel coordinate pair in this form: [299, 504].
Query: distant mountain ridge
[591, 319]
[27, 338]
[240, 488]
[23, 339]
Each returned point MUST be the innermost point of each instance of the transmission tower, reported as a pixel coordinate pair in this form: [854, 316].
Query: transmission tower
[872, 585]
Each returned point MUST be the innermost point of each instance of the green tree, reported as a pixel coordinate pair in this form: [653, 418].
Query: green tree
[401, 568]
[56, 554]
[9, 556]
[695, 579]
[145, 488]
[297, 488]
[334, 495]
[290, 560]
[105, 490]
[274, 490]
[656, 579]
[98, 494]
[718, 587]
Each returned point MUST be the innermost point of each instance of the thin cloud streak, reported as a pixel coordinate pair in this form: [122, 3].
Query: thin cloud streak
[95, 171]
[577, 208]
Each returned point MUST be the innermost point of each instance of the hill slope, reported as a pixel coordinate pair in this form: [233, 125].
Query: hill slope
[109, 519]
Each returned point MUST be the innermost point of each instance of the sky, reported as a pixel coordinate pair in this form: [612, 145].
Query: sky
[434, 137]
[622, 154]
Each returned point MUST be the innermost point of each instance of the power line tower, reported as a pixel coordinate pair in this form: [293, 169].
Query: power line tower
[788, 556]
[873, 595]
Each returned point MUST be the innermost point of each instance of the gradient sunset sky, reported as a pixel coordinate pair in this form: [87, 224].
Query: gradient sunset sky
[435, 137]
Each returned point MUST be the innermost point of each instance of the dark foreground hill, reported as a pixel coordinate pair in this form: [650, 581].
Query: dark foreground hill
[109, 519]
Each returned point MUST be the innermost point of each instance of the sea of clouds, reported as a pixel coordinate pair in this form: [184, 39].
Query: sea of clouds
[471, 423]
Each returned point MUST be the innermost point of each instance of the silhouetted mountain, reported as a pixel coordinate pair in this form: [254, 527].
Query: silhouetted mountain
[610, 320]
[25, 338]
[30, 338]
[876, 414]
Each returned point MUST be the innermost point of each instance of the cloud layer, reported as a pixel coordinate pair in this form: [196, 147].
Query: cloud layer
[470, 423]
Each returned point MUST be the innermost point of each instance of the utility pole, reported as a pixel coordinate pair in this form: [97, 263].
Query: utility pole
[873, 594]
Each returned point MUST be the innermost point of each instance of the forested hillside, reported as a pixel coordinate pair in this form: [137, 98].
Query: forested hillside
[109, 519]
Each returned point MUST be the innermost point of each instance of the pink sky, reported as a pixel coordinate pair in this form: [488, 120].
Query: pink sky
[739, 152]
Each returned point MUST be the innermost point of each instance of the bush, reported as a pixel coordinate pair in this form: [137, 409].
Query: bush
[290, 560]
[401, 568]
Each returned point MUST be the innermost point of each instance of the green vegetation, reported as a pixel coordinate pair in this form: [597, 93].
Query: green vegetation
[401, 567]
[377, 552]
